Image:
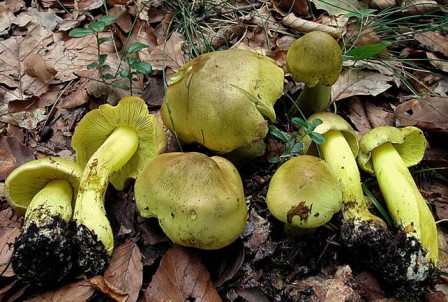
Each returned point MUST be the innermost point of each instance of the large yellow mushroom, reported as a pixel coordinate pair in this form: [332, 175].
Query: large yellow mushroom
[198, 200]
[221, 99]
[112, 144]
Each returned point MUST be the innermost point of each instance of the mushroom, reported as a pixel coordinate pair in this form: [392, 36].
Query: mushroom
[43, 191]
[198, 200]
[387, 152]
[304, 192]
[220, 100]
[339, 151]
[316, 60]
[112, 143]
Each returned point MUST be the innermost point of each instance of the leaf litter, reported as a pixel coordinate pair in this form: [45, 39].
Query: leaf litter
[45, 83]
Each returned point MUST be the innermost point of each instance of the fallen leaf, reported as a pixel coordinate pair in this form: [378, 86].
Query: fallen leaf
[433, 41]
[6, 248]
[76, 291]
[379, 116]
[336, 7]
[299, 7]
[107, 289]
[353, 82]
[181, 277]
[358, 116]
[88, 5]
[36, 67]
[305, 26]
[169, 55]
[12, 154]
[437, 62]
[125, 270]
[428, 113]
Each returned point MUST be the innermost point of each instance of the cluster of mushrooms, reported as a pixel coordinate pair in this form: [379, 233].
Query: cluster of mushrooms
[222, 101]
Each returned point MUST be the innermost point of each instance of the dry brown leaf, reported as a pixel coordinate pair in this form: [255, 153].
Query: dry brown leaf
[107, 289]
[12, 154]
[299, 7]
[358, 116]
[8, 218]
[419, 7]
[36, 67]
[437, 62]
[305, 26]
[428, 113]
[7, 240]
[379, 116]
[76, 291]
[125, 271]
[88, 4]
[181, 277]
[433, 41]
[169, 55]
[353, 82]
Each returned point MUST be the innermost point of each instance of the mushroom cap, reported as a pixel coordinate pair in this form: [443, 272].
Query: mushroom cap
[198, 200]
[315, 58]
[27, 180]
[96, 126]
[409, 142]
[220, 99]
[332, 121]
[304, 192]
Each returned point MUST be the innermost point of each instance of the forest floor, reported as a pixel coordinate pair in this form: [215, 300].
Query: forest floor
[395, 73]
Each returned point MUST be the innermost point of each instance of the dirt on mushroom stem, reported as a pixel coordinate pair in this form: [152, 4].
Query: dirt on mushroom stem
[43, 254]
[389, 253]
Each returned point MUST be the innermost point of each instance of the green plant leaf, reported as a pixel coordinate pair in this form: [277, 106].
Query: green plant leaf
[97, 26]
[102, 58]
[297, 148]
[365, 51]
[105, 66]
[136, 47]
[274, 160]
[104, 39]
[280, 135]
[299, 122]
[107, 19]
[80, 32]
[125, 73]
[91, 66]
[317, 138]
[108, 76]
[314, 123]
[142, 67]
[121, 86]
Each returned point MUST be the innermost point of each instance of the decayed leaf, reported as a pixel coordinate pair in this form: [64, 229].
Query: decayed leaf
[437, 62]
[6, 241]
[36, 67]
[107, 289]
[168, 55]
[88, 4]
[337, 7]
[378, 116]
[12, 154]
[299, 7]
[125, 271]
[358, 116]
[76, 291]
[428, 113]
[25, 119]
[181, 277]
[433, 41]
[359, 82]
[306, 26]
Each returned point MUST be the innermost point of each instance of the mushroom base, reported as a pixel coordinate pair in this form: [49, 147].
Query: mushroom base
[43, 255]
[90, 254]
[394, 256]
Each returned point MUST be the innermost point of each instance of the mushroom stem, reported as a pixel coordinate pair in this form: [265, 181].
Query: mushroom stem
[55, 199]
[404, 201]
[338, 155]
[42, 252]
[313, 99]
[90, 212]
